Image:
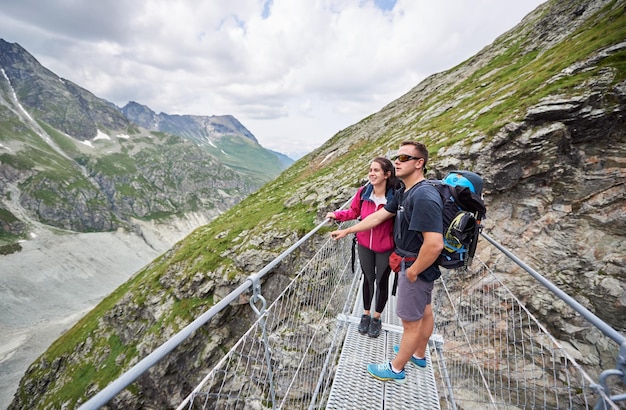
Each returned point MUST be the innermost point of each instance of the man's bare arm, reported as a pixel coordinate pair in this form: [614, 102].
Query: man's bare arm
[368, 223]
[428, 254]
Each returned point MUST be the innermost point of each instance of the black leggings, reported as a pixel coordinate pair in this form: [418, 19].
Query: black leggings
[375, 267]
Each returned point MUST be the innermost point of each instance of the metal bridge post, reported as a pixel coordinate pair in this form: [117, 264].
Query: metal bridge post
[437, 340]
[256, 296]
[619, 372]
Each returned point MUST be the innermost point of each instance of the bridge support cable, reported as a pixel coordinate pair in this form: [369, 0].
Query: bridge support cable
[596, 321]
[109, 392]
[444, 373]
[470, 347]
[332, 349]
[302, 333]
[497, 354]
[323, 383]
[105, 395]
[608, 331]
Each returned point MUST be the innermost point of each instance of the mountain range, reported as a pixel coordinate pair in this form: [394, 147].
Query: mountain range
[540, 114]
[74, 161]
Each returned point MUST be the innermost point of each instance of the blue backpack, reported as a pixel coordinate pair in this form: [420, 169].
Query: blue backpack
[463, 210]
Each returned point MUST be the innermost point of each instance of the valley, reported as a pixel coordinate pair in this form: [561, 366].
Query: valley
[59, 276]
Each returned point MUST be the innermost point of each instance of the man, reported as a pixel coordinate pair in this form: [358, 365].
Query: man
[419, 240]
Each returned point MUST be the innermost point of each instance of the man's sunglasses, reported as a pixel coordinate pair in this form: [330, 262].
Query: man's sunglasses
[404, 158]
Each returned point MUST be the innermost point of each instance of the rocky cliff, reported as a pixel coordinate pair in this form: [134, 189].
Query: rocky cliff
[540, 114]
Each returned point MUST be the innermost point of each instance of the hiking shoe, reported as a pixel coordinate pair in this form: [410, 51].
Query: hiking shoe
[375, 327]
[364, 326]
[383, 372]
[417, 362]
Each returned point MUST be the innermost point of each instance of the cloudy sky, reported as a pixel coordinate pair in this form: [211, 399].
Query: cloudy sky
[294, 72]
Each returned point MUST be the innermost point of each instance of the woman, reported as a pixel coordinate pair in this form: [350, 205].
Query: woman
[375, 245]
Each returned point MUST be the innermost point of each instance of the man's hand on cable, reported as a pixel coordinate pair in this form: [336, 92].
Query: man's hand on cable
[368, 223]
[339, 234]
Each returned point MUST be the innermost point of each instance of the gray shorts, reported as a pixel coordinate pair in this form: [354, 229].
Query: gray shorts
[412, 297]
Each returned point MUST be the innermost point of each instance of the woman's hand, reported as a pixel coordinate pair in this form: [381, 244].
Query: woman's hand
[331, 215]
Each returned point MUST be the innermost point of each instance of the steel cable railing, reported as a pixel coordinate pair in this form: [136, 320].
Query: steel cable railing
[108, 393]
[496, 354]
[620, 371]
[287, 357]
[301, 330]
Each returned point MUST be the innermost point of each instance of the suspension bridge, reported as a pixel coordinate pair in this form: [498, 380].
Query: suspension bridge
[487, 351]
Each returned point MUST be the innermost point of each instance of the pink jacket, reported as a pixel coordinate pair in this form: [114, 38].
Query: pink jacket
[380, 237]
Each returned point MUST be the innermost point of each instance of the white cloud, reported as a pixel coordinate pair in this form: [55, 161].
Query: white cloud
[294, 72]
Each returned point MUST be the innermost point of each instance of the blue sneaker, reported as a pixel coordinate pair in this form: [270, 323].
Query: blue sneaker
[383, 372]
[417, 362]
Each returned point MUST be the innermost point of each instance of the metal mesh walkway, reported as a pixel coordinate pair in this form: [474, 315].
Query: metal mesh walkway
[354, 388]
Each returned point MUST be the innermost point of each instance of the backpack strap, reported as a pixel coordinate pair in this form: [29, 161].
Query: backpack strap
[394, 288]
[353, 260]
[361, 198]
[409, 256]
